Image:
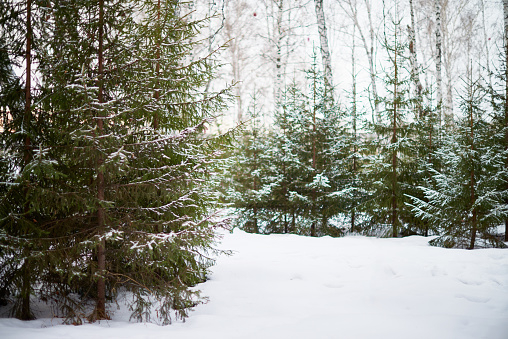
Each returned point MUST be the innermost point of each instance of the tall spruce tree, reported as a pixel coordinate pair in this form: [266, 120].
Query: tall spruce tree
[121, 168]
[21, 33]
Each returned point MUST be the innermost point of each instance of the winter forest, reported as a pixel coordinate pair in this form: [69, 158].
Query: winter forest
[135, 134]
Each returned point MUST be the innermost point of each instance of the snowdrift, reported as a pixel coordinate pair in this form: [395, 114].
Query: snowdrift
[288, 286]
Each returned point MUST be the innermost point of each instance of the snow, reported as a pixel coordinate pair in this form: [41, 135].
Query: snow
[288, 286]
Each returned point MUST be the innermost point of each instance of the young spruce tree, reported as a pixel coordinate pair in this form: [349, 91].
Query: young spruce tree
[463, 202]
[391, 168]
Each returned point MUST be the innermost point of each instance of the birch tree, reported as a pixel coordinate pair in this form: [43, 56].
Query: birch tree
[278, 35]
[368, 42]
[325, 50]
[235, 30]
[438, 58]
[413, 58]
[505, 12]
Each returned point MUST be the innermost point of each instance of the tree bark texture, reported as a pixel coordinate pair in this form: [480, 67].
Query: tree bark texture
[157, 66]
[505, 12]
[325, 50]
[25, 312]
[393, 141]
[28, 83]
[279, 36]
[439, 81]
[472, 178]
[313, 231]
[100, 309]
[353, 72]
[413, 59]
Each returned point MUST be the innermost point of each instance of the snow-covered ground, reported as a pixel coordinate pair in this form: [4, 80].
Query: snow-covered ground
[287, 286]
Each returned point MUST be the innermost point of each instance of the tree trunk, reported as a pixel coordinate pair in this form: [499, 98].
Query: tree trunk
[284, 183]
[439, 61]
[505, 13]
[414, 63]
[209, 40]
[157, 66]
[255, 188]
[293, 221]
[353, 67]
[447, 55]
[473, 201]
[278, 52]
[371, 62]
[472, 179]
[369, 51]
[325, 51]
[486, 39]
[235, 64]
[314, 160]
[393, 141]
[100, 308]
[25, 313]
[28, 85]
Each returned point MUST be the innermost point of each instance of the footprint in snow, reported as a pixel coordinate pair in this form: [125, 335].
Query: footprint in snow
[470, 282]
[296, 276]
[333, 284]
[435, 272]
[389, 271]
[472, 298]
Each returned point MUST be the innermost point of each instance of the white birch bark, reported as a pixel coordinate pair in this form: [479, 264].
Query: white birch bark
[505, 12]
[487, 54]
[354, 118]
[439, 90]
[449, 56]
[414, 61]
[279, 37]
[325, 51]
[370, 56]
